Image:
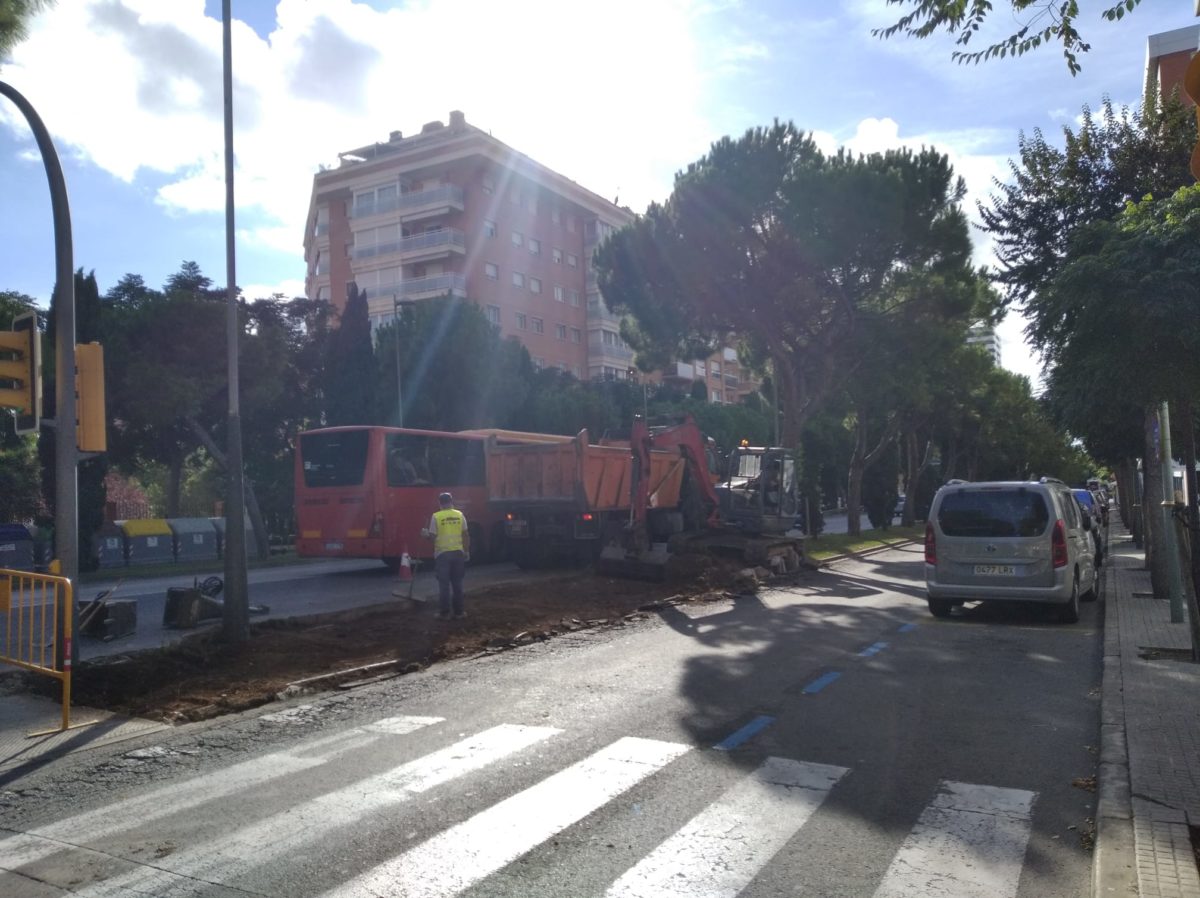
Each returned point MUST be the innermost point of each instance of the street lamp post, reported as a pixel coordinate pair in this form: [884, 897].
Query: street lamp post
[397, 305]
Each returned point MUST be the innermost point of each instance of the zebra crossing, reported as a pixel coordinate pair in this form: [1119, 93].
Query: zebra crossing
[969, 840]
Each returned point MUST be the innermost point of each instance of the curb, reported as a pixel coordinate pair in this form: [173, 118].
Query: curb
[1114, 871]
[866, 553]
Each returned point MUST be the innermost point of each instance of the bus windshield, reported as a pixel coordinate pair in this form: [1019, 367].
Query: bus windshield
[334, 458]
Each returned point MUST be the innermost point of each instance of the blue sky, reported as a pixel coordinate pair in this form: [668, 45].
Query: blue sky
[617, 96]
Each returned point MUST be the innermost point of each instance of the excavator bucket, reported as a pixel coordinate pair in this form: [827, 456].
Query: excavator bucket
[652, 564]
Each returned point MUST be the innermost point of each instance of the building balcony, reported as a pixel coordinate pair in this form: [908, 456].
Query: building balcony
[598, 311]
[419, 247]
[431, 203]
[423, 288]
[416, 205]
[598, 352]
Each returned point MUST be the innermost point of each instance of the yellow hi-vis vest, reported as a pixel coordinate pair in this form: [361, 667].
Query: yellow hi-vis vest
[450, 523]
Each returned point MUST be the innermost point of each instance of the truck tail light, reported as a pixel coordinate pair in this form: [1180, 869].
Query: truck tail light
[930, 544]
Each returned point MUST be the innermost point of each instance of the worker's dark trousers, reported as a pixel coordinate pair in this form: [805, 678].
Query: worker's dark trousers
[450, 568]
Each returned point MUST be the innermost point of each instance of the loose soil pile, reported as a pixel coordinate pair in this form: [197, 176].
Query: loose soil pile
[204, 677]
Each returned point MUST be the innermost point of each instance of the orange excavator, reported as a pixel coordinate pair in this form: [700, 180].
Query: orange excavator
[745, 508]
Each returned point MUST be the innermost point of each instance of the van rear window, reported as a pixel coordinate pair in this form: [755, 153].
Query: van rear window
[993, 513]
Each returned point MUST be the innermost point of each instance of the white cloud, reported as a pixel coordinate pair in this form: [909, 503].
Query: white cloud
[289, 288]
[143, 91]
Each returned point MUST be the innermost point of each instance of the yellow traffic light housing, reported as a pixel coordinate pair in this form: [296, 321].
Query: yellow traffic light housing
[91, 429]
[21, 372]
[1191, 86]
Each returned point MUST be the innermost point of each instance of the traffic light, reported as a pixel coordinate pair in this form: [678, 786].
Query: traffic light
[21, 371]
[91, 434]
[1191, 85]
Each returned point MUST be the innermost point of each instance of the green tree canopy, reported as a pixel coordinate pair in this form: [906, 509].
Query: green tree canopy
[769, 239]
[1114, 158]
[1040, 22]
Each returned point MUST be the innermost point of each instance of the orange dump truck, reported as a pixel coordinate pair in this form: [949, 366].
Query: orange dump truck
[566, 499]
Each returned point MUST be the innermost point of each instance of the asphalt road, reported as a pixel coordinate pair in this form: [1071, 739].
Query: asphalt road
[831, 739]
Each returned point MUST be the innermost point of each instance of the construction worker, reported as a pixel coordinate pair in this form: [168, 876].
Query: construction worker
[451, 550]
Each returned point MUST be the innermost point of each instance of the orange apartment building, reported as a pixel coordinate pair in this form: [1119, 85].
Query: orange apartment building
[452, 210]
[1167, 56]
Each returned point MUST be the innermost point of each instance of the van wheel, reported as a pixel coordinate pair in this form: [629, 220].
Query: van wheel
[940, 607]
[1069, 614]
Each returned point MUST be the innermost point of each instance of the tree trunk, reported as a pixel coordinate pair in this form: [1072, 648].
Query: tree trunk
[1128, 504]
[261, 542]
[174, 486]
[1156, 559]
[1192, 519]
[912, 476]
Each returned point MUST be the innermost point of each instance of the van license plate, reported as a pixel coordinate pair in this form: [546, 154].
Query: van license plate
[334, 547]
[995, 570]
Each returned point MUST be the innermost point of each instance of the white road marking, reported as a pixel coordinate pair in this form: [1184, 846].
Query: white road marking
[105, 822]
[722, 848]
[969, 843]
[459, 857]
[224, 859]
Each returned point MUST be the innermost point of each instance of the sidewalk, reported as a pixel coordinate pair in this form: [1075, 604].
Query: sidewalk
[1149, 782]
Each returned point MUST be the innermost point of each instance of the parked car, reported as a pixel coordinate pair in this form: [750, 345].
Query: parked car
[1009, 541]
[899, 512]
[1092, 507]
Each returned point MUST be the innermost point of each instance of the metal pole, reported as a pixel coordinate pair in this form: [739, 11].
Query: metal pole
[66, 456]
[1170, 541]
[237, 607]
[399, 391]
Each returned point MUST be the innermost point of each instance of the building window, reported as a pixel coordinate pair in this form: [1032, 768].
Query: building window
[701, 370]
[489, 228]
[575, 298]
[522, 322]
[517, 238]
[576, 335]
[556, 255]
[491, 270]
[716, 369]
[558, 292]
[560, 331]
[572, 260]
[609, 338]
[716, 396]
[489, 186]
[493, 315]
[535, 285]
[535, 247]
[539, 363]
[539, 326]
[518, 279]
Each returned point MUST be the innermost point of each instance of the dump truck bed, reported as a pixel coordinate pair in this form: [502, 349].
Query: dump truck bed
[577, 474]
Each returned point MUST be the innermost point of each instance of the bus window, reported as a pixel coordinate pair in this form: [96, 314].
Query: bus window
[439, 461]
[337, 458]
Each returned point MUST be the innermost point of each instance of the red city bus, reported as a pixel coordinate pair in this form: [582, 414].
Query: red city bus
[366, 492]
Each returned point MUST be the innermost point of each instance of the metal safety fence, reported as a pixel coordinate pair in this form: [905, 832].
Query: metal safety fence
[36, 621]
